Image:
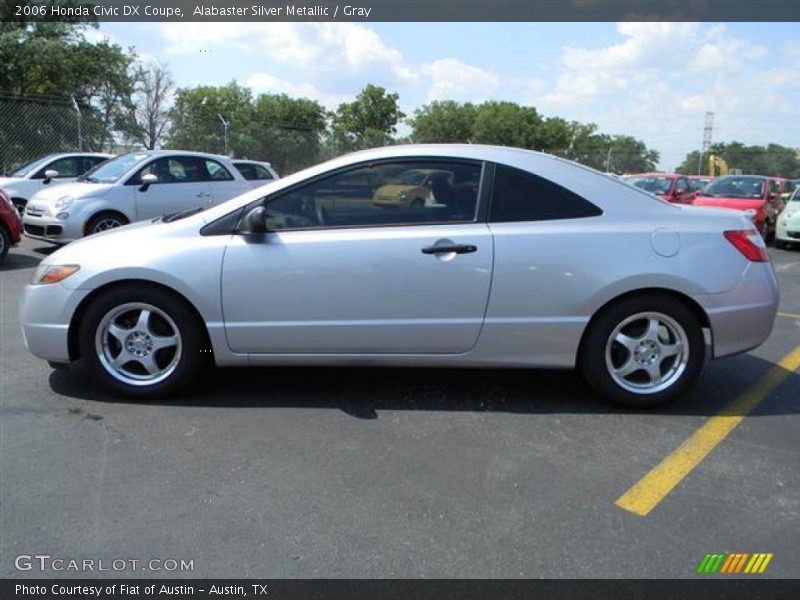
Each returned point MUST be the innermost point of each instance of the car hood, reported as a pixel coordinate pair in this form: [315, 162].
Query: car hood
[794, 211]
[77, 190]
[737, 203]
[7, 181]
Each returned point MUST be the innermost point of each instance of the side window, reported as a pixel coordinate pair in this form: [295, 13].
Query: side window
[390, 193]
[681, 186]
[172, 169]
[261, 172]
[253, 172]
[66, 167]
[522, 196]
[216, 172]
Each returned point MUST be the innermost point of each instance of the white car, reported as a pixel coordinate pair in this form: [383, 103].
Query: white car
[255, 171]
[28, 179]
[787, 229]
[131, 187]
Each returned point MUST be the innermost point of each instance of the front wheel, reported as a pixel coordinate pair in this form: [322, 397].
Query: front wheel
[143, 342]
[104, 222]
[643, 351]
[5, 243]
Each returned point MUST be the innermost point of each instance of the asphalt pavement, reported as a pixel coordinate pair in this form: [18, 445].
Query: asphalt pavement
[415, 473]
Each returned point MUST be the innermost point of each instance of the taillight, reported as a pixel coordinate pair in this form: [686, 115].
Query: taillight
[750, 243]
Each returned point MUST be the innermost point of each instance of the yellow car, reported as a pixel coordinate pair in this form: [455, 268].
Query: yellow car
[411, 189]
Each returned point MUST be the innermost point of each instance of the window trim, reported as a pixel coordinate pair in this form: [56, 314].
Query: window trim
[478, 217]
[130, 180]
[528, 222]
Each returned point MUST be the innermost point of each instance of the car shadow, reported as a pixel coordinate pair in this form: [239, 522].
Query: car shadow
[364, 392]
[46, 250]
[15, 261]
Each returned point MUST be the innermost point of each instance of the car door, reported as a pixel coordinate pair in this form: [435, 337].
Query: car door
[222, 185]
[336, 274]
[181, 185]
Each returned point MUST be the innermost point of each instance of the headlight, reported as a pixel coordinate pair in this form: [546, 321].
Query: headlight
[403, 195]
[64, 202]
[46, 274]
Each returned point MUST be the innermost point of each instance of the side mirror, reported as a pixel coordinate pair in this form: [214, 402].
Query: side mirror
[254, 222]
[49, 174]
[147, 181]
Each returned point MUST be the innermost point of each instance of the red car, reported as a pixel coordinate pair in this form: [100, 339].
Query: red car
[10, 225]
[671, 187]
[747, 192]
[698, 182]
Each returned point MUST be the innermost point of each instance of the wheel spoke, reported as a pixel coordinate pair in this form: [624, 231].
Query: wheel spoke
[118, 332]
[630, 366]
[149, 364]
[653, 326]
[668, 350]
[123, 358]
[143, 324]
[653, 372]
[626, 341]
[164, 341]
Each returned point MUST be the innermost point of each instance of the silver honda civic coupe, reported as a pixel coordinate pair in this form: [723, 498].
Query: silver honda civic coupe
[417, 255]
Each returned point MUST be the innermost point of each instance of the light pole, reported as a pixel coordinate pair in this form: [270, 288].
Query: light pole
[80, 123]
[225, 125]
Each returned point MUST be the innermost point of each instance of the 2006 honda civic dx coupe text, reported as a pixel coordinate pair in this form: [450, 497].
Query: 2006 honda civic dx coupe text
[515, 259]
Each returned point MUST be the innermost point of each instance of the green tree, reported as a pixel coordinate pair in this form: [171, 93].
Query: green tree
[443, 122]
[369, 121]
[144, 115]
[507, 124]
[773, 159]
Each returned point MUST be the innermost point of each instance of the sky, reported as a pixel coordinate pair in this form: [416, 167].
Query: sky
[652, 80]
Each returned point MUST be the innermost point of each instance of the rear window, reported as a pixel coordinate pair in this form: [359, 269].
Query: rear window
[522, 196]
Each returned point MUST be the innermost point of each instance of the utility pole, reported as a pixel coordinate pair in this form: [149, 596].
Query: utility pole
[708, 130]
[80, 123]
[225, 125]
[608, 160]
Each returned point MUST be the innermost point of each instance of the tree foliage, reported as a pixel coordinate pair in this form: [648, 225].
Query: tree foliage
[368, 121]
[773, 159]
[275, 127]
[144, 115]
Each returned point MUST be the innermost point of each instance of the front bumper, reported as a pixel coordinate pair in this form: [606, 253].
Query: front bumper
[45, 314]
[742, 318]
[788, 230]
[50, 229]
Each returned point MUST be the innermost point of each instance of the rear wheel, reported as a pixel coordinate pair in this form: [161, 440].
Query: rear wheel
[643, 351]
[143, 342]
[105, 221]
[20, 204]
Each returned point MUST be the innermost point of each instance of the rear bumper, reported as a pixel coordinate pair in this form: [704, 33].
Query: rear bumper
[743, 318]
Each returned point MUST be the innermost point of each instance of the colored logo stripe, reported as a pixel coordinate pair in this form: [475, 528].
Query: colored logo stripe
[734, 562]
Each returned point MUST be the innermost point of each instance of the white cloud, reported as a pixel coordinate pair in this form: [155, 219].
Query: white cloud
[451, 79]
[266, 83]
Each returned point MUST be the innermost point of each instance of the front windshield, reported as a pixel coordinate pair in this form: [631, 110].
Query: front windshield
[29, 168]
[651, 183]
[746, 188]
[111, 170]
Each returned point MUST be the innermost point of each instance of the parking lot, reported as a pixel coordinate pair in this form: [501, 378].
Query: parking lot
[396, 473]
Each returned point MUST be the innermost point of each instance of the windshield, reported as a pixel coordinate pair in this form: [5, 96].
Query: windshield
[651, 183]
[746, 188]
[111, 170]
[30, 167]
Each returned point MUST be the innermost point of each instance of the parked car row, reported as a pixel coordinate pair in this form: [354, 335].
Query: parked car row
[63, 197]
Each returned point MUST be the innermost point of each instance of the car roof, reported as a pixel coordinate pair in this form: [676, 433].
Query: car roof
[251, 162]
[181, 153]
[654, 174]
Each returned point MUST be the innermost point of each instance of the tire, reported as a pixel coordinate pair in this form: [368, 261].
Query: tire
[104, 221]
[5, 243]
[621, 344]
[114, 326]
[779, 244]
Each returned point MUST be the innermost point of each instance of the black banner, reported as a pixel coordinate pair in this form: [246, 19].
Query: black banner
[387, 589]
[404, 10]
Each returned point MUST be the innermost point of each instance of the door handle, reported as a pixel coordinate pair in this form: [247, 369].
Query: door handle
[202, 195]
[457, 248]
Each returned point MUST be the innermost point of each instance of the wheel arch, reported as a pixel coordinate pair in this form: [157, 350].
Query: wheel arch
[80, 311]
[104, 211]
[684, 298]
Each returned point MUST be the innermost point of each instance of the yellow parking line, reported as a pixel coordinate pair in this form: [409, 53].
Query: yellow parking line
[651, 489]
[789, 315]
